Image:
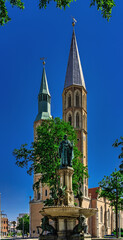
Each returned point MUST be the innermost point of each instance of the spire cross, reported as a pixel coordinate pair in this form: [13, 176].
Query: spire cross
[74, 22]
[43, 60]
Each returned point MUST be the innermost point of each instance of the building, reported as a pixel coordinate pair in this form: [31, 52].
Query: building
[4, 226]
[12, 226]
[74, 100]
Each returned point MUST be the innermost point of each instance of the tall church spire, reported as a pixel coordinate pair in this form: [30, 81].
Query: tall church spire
[74, 100]
[74, 74]
[44, 99]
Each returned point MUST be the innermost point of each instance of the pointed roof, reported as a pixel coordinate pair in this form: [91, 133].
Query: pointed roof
[44, 85]
[74, 74]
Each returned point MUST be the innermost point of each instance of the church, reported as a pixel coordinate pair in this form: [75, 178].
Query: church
[74, 101]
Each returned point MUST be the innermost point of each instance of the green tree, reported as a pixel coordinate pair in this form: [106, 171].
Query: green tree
[104, 5]
[117, 144]
[24, 224]
[111, 189]
[43, 154]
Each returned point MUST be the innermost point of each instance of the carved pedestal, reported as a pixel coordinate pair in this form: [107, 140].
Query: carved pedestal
[66, 180]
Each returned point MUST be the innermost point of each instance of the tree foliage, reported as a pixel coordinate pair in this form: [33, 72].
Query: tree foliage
[4, 17]
[24, 224]
[43, 154]
[118, 143]
[111, 188]
[104, 5]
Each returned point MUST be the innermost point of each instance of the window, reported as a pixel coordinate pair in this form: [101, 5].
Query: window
[45, 192]
[77, 120]
[70, 119]
[44, 97]
[101, 214]
[77, 100]
[69, 100]
[38, 195]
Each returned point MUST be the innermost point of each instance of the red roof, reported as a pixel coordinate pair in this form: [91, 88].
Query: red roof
[94, 195]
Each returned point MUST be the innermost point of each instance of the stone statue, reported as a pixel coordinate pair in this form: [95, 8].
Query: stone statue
[66, 152]
[81, 226]
[47, 227]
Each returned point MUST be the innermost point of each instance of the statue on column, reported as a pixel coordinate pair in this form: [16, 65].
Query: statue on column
[66, 152]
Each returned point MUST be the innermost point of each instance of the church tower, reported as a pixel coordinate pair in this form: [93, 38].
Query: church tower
[74, 100]
[44, 102]
[44, 113]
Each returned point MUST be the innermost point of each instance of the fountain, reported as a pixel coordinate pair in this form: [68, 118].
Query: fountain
[66, 214]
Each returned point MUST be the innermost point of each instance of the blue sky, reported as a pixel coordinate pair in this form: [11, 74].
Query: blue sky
[35, 33]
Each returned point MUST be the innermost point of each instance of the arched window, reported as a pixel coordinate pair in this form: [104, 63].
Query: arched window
[69, 100]
[46, 192]
[77, 120]
[108, 218]
[101, 214]
[70, 119]
[77, 100]
[38, 195]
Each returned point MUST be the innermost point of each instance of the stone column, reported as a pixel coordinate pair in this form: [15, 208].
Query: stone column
[70, 181]
[61, 179]
[67, 180]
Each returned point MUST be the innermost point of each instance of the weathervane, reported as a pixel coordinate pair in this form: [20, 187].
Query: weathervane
[74, 21]
[43, 60]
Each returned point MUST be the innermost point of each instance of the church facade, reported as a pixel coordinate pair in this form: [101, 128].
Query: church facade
[74, 100]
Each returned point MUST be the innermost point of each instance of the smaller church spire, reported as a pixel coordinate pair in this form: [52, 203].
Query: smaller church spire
[44, 85]
[44, 98]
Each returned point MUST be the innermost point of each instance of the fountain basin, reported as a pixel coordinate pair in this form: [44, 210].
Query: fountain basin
[67, 211]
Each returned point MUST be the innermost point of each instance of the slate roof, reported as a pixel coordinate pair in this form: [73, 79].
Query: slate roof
[74, 74]
[44, 85]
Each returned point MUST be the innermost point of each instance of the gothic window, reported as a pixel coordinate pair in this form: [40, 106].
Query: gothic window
[69, 100]
[45, 192]
[77, 100]
[77, 120]
[70, 119]
[101, 214]
[38, 195]
[44, 97]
